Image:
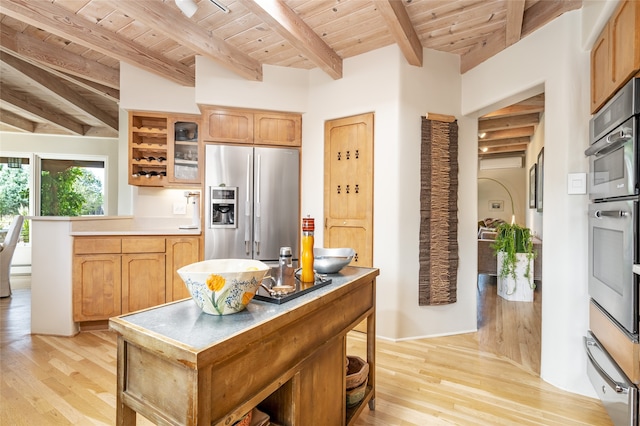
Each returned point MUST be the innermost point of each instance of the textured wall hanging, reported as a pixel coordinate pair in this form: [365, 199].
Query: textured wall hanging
[438, 274]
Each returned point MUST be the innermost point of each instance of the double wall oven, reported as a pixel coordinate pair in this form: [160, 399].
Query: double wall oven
[614, 250]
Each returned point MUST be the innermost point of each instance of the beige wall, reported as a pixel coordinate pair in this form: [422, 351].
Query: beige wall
[489, 190]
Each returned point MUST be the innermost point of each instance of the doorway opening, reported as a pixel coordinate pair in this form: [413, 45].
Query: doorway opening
[509, 139]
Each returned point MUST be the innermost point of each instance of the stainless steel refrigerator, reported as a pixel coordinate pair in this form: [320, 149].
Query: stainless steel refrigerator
[252, 202]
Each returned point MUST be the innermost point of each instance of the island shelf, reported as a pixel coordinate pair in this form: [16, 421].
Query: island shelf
[179, 366]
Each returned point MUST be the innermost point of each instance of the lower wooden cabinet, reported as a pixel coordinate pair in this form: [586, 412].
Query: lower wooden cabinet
[143, 284]
[113, 276]
[180, 252]
[96, 286]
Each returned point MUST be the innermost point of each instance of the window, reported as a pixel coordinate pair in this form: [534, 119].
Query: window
[14, 193]
[62, 186]
[71, 187]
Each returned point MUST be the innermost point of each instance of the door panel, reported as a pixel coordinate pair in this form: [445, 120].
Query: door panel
[349, 186]
[180, 252]
[230, 166]
[276, 202]
[143, 281]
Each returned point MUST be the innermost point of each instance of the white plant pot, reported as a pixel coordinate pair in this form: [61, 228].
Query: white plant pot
[520, 290]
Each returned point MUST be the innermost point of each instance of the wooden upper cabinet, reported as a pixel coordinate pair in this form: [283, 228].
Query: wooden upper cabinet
[185, 150]
[147, 147]
[601, 84]
[615, 56]
[164, 149]
[625, 42]
[227, 125]
[278, 129]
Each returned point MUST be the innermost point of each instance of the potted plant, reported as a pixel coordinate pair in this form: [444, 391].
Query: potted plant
[513, 247]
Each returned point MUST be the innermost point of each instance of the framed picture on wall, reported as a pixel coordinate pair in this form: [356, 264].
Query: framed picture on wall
[540, 181]
[496, 205]
[532, 186]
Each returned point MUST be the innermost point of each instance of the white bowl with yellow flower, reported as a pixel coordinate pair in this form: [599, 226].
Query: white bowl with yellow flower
[223, 286]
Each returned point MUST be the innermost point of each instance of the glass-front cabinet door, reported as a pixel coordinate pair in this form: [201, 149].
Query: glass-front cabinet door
[185, 150]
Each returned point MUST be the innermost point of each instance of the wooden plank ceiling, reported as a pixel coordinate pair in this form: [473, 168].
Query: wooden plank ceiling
[60, 59]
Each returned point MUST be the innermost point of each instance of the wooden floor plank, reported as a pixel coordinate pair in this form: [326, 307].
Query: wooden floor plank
[453, 380]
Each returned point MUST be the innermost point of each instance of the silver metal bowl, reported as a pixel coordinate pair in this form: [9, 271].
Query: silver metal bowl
[331, 260]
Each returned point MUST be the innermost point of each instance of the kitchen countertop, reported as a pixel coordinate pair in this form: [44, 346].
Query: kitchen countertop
[185, 323]
[121, 225]
[636, 269]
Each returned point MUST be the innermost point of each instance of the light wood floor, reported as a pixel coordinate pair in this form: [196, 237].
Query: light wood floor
[48, 380]
[510, 329]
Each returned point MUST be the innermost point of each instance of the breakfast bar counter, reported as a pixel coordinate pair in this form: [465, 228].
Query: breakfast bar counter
[180, 366]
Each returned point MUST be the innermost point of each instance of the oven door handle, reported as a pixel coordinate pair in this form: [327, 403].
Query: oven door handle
[610, 143]
[618, 387]
[611, 213]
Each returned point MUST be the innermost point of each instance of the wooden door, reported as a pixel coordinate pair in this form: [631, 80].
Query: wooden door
[181, 251]
[143, 281]
[348, 190]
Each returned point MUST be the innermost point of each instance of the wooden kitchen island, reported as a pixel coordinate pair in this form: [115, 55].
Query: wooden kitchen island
[179, 366]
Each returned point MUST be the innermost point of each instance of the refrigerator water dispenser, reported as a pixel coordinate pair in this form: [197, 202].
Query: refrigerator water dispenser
[224, 200]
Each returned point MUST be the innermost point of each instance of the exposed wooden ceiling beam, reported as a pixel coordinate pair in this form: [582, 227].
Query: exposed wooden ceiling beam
[109, 93]
[59, 21]
[508, 134]
[48, 116]
[531, 105]
[395, 14]
[515, 15]
[55, 61]
[511, 122]
[53, 85]
[504, 142]
[183, 30]
[29, 47]
[544, 12]
[504, 149]
[292, 28]
[19, 123]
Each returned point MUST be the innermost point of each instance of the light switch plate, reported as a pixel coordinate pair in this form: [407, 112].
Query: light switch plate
[179, 208]
[577, 183]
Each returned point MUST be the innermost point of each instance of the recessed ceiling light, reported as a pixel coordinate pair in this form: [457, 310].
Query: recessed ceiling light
[485, 149]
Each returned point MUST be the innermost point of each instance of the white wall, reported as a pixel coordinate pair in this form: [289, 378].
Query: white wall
[553, 56]
[435, 88]
[282, 89]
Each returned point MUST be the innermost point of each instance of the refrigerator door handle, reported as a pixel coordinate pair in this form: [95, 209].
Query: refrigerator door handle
[257, 212]
[247, 209]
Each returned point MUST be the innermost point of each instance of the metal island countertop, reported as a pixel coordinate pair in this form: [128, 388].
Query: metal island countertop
[185, 324]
